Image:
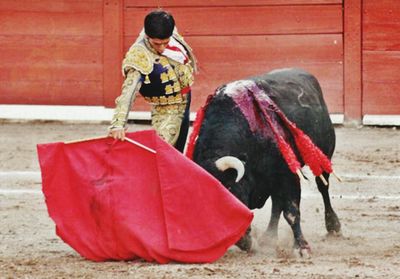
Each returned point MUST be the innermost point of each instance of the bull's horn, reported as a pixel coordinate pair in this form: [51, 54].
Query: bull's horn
[230, 162]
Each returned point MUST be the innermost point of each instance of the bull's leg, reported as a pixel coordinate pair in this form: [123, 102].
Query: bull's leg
[332, 223]
[276, 210]
[270, 237]
[291, 212]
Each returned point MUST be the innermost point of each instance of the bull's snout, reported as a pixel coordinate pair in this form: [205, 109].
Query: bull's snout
[245, 242]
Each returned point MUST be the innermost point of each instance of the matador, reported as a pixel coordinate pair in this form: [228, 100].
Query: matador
[160, 66]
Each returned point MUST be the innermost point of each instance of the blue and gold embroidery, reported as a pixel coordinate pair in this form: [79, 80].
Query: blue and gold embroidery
[160, 76]
[164, 77]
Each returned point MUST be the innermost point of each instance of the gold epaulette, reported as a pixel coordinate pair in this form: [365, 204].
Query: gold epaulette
[138, 58]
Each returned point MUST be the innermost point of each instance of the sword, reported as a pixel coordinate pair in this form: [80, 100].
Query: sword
[126, 138]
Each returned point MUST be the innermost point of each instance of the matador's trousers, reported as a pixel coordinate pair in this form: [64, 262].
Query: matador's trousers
[172, 122]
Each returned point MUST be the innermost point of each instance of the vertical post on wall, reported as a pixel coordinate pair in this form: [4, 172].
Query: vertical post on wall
[352, 61]
[112, 50]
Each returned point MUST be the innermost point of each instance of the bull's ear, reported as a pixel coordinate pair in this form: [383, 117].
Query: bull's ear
[230, 162]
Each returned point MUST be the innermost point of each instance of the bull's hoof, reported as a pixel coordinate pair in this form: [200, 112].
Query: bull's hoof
[303, 252]
[333, 234]
[245, 243]
[332, 222]
[302, 249]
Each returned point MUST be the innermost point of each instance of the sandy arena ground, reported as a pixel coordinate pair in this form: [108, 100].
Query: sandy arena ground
[367, 203]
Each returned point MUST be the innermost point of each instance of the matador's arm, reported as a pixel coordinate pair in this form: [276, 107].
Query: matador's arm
[130, 87]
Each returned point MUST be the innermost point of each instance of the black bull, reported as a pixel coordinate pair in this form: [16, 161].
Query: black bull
[225, 131]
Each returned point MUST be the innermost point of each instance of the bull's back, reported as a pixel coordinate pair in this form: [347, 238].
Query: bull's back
[298, 94]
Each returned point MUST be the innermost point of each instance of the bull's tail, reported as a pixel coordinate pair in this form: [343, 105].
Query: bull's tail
[196, 127]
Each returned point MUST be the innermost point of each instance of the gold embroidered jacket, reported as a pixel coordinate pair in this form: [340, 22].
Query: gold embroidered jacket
[158, 78]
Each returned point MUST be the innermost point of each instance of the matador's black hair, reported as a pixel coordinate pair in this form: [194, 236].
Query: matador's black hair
[159, 24]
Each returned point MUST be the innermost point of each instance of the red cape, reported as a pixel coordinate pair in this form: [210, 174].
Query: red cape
[115, 200]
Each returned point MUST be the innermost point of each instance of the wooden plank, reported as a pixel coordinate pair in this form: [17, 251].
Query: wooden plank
[227, 58]
[50, 72]
[42, 23]
[70, 6]
[51, 92]
[381, 82]
[224, 3]
[352, 61]
[384, 40]
[381, 25]
[381, 57]
[247, 20]
[113, 51]
[51, 52]
[50, 49]
[263, 49]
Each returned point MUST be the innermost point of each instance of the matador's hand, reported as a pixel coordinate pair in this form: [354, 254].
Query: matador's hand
[117, 134]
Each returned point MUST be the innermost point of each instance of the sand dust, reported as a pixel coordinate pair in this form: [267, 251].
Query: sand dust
[367, 203]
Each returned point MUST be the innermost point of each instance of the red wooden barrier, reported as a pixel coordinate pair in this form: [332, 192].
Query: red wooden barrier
[381, 57]
[112, 50]
[236, 42]
[69, 52]
[51, 52]
[220, 21]
[352, 60]
[213, 3]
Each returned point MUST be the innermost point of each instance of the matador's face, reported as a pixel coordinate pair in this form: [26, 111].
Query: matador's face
[159, 45]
